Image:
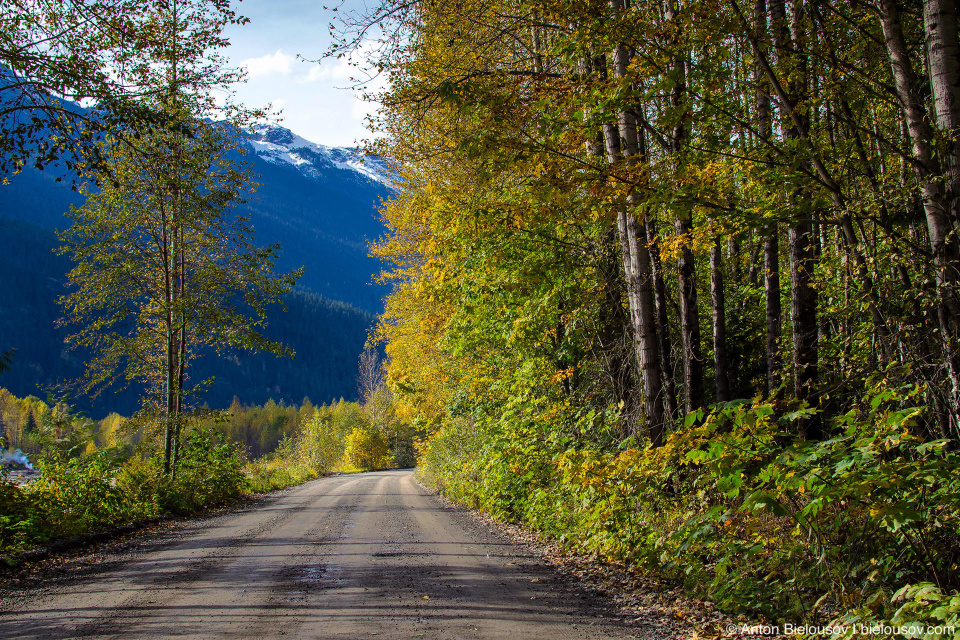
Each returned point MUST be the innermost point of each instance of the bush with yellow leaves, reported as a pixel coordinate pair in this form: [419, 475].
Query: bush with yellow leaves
[367, 449]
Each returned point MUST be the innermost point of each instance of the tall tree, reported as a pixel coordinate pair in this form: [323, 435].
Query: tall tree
[165, 267]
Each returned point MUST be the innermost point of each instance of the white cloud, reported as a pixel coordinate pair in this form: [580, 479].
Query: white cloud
[341, 69]
[357, 65]
[277, 63]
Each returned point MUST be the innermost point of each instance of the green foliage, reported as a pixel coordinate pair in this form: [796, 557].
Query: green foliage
[15, 521]
[791, 527]
[62, 433]
[925, 605]
[209, 473]
[72, 51]
[259, 429]
[321, 441]
[279, 470]
[78, 495]
[737, 507]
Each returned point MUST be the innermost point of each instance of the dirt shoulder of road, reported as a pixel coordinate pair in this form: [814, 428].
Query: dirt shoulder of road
[636, 595]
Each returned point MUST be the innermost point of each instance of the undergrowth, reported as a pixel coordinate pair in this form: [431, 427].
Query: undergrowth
[860, 528]
[79, 495]
[279, 470]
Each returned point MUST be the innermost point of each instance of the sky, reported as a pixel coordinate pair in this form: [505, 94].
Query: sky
[316, 99]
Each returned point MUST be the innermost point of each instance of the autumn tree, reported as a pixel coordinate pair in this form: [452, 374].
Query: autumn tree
[773, 174]
[367, 449]
[165, 268]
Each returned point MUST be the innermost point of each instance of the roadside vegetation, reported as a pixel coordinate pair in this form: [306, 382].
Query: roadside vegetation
[679, 282]
[90, 476]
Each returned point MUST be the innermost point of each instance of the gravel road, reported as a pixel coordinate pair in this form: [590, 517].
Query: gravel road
[343, 557]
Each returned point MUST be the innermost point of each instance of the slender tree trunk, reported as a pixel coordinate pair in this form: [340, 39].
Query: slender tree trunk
[820, 237]
[636, 260]
[172, 275]
[615, 334]
[771, 240]
[937, 208]
[686, 265]
[733, 251]
[719, 324]
[943, 56]
[774, 307]
[689, 321]
[169, 368]
[805, 329]
[663, 323]
[634, 245]
[788, 40]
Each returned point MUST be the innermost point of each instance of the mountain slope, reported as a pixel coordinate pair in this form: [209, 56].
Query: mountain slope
[319, 203]
[321, 208]
[328, 337]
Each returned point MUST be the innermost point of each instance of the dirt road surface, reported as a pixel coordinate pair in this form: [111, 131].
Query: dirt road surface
[355, 556]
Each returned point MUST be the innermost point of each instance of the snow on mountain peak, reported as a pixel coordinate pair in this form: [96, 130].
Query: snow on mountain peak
[279, 145]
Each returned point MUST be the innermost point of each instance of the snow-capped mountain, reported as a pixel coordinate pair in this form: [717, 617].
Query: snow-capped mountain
[279, 145]
[320, 203]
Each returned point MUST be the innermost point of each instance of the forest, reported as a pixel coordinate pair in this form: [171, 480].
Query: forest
[677, 282]
[326, 335]
[674, 283]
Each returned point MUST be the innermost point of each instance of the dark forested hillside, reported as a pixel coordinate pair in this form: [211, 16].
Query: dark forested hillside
[327, 335]
[324, 224]
[323, 219]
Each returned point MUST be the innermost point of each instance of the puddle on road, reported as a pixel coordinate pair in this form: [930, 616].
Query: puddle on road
[401, 554]
[311, 573]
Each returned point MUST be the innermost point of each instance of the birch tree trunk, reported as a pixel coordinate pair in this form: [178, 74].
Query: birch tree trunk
[686, 266]
[943, 58]
[721, 373]
[663, 324]
[635, 256]
[936, 204]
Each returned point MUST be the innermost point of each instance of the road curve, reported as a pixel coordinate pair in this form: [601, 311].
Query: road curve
[343, 557]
